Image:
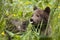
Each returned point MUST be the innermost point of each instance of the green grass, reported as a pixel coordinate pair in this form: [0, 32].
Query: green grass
[23, 9]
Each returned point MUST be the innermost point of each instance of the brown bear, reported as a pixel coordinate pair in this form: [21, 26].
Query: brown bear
[15, 26]
[41, 17]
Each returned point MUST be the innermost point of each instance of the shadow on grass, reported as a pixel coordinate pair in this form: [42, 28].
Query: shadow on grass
[45, 38]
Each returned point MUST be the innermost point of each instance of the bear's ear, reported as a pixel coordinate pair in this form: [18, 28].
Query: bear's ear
[47, 10]
[35, 7]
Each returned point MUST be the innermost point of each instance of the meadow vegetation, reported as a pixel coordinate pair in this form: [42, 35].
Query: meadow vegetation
[22, 10]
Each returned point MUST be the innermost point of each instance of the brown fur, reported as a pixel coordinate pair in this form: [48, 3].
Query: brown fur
[38, 16]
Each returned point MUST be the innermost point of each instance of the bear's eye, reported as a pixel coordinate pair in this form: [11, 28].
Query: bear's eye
[37, 15]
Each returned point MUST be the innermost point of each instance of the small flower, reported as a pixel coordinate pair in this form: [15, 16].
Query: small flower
[59, 16]
[59, 7]
[48, 5]
[14, 14]
[28, 2]
[3, 33]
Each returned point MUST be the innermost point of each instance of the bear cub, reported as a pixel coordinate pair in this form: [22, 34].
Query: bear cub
[41, 16]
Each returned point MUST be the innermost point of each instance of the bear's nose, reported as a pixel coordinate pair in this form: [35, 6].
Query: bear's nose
[31, 20]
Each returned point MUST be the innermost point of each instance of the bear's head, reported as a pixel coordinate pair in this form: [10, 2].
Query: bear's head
[39, 15]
